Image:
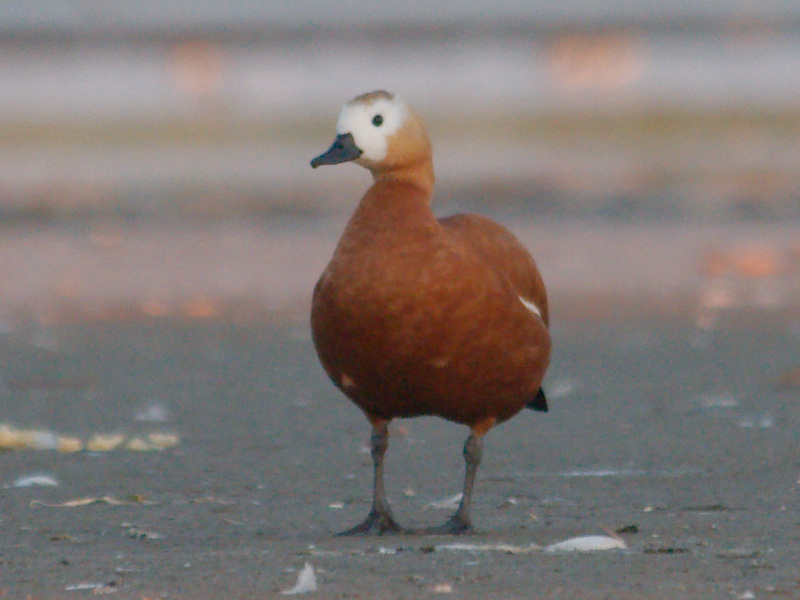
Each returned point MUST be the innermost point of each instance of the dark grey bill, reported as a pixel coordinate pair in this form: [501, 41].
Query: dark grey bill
[344, 149]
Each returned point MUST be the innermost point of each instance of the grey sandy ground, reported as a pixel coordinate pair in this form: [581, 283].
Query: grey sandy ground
[690, 440]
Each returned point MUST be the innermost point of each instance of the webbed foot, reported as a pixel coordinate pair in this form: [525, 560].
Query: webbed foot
[376, 523]
[455, 525]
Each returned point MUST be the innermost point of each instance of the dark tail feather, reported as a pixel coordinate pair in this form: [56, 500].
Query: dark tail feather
[539, 402]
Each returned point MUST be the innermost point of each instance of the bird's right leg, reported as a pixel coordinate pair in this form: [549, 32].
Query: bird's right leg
[380, 519]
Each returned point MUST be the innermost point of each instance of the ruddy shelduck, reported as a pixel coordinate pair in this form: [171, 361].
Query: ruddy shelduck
[416, 315]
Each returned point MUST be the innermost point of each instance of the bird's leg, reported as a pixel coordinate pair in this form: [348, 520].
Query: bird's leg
[380, 518]
[473, 452]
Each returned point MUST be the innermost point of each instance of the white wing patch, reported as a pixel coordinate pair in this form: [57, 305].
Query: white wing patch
[530, 306]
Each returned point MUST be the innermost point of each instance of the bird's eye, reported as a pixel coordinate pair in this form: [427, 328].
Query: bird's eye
[377, 120]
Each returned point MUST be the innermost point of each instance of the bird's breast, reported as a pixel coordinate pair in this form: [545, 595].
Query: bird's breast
[427, 332]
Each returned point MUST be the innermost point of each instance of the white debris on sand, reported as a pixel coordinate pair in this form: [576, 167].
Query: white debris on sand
[80, 587]
[306, 582]
[32, 480]
[718, 400]
[153, 413]
[562, 388]
[97, 589]
[450, 503]
[506, 548]
[88, 501]
[762, 422]
[603, 472]
[587, 543]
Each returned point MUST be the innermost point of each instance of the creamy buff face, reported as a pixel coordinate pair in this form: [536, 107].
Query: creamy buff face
[372, 121]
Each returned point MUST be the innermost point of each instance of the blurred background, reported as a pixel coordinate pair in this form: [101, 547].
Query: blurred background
[161, 231]
[154, 155]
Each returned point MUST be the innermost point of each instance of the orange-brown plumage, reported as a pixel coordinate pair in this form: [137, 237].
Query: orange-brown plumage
[420, 316]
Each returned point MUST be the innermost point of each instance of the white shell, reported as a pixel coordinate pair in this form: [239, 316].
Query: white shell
[32, 480]
[587, 543]
[306, 582]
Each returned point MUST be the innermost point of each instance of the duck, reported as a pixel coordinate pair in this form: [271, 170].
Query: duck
[416, 315]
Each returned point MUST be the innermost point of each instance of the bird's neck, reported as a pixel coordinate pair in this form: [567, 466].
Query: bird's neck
[419, 174]
[393, 211]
